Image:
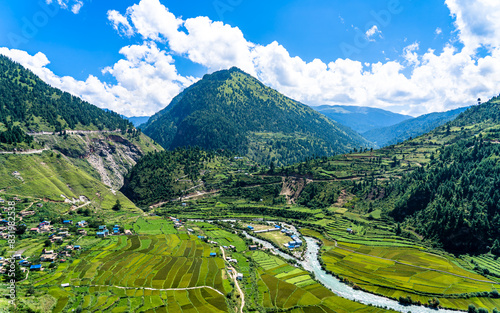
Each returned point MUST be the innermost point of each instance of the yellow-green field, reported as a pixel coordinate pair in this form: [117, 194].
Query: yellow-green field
[406, 271]
[292, 289]
[150, 273]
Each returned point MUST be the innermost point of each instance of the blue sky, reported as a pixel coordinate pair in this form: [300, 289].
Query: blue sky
[349, 46]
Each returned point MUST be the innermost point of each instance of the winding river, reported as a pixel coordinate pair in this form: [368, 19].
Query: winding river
[311, 264]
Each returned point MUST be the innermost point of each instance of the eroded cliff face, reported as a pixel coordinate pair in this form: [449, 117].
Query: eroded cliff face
[112, 157]
[106, 155]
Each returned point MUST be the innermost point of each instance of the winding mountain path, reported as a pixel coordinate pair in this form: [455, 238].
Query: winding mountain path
[233, 276]
[24, 152]
[167, 289]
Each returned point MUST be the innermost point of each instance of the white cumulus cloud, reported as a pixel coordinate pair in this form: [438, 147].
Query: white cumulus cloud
[370, 33]
[419, 82]
[72, 5]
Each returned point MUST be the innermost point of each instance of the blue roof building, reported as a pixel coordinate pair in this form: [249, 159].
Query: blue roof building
[250, 227]
[36, 267]
[213, 254]
[277, 226]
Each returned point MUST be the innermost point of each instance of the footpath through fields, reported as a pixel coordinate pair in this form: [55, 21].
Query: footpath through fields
[233, 276]
[168, 289]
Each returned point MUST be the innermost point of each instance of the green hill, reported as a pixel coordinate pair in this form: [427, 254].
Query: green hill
[443, 185]
[410, 128]
[232, 110]
[27, 104]
[361, 119]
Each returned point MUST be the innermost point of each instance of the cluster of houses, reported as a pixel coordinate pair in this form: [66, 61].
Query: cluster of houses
[295, 243]
[177, 222]
[275, 228]
[43, 227]
[104, 231]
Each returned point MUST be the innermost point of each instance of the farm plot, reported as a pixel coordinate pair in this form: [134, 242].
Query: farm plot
[226, 238]
[143, 274]
[284, 287]
[405, 271]
[154, 226]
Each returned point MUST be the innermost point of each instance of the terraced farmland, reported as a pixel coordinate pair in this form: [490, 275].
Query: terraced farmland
[154, 273]
[285, 287]
[398, 271]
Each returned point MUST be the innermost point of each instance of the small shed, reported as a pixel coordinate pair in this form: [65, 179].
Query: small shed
[37, 267]
[213, 254]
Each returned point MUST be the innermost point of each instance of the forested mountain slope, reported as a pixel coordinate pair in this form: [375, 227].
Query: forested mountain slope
[410, 128]
[232, 110]
[28, 102]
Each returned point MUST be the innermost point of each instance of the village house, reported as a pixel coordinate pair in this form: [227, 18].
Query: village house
[56, 239]
[65, 254]
[27, 213]
[82, 232]
[81, 224]
[48, 257]
[63, 234]
[37, 267]
[24, 263]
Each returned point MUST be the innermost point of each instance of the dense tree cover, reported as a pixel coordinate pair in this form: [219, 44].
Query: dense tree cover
[225, 108]
[270, 211]
[26, 99]
[14, 135]
[155, 176]
[253, 193]
[488, 112]
[283, 150]
[410, 128]
[456, 199]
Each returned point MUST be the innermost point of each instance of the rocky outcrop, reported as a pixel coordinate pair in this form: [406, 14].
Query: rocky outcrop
[109, 154]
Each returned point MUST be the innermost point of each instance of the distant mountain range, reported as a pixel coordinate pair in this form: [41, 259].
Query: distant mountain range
[137, 120]
[232, 110]
[361, 119]
[410, 128]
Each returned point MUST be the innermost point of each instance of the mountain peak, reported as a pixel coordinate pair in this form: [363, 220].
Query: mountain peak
[232, 110]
